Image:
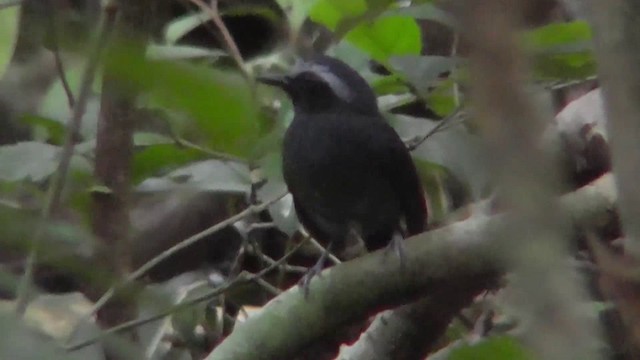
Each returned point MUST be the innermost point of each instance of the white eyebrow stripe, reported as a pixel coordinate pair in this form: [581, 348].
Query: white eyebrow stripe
[336, 84]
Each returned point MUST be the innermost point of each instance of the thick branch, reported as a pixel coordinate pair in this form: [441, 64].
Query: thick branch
[114, 151]
[617, 47]
[527, 180]
[411, 331]
[355, 289]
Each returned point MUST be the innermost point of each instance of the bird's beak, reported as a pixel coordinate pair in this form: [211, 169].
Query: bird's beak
[280, 81]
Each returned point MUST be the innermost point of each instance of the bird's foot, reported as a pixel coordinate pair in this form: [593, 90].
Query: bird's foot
[396, 245]
[312, 272]
[306, 279]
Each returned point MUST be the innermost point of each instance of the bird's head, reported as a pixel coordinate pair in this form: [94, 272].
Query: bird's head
[325, 84]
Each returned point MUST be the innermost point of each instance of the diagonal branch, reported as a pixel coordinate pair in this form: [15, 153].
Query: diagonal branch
[457, 253]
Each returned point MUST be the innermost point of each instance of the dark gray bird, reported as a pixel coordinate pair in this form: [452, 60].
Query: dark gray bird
[347, 169]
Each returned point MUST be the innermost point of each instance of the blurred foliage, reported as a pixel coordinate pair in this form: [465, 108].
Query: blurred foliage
[218, 102]
[497, 348]
[8, 34]
[381, 37]
[562, 51]
[203, 122]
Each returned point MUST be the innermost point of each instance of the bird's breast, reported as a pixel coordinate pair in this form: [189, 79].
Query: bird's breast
[329, 171]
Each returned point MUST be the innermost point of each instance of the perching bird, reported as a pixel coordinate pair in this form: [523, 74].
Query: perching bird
[347, 169]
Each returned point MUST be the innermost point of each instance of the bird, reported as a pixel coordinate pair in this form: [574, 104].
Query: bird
[348, 171]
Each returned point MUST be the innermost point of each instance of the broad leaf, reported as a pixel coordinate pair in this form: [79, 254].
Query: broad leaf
[179, 27]
[8, 35]
[500, 348]
[32, 161]
[218, 102]
[386, 37]
[558, 34]
[331, 12]
[454, 148]
[182, 52]
[422, 71]
[427, 11]
[209, 175]
[562, 51]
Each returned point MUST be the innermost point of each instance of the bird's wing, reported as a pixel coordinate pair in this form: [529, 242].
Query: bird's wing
[396, 165]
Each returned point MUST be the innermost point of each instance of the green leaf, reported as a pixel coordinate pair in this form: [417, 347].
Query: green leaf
[218, 102]
[379, 38]
[20, 341]
[568, 66]
[55, 130]
[182, 52]
[433, 178]
[32, 161]
[442, 100]
[8, 35]
[453, 147]
[331, 12]
[159, 158]
[390, 84]
[427, 11]
[422, 71]
[562, 51]
[558, 34]
[100, 189]
[499, 348]
[56, 106]
[386, 37]
[208, 175]
[181, 26]
[150, 138]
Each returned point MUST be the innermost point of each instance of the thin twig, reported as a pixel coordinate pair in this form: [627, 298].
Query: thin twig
[181, 245]
[414, 144]
[286, 267]
[557, 85]
[243, 278]
[454, 53]
[55, 48]
[270, 288]
[214, 154]
[229, 43]
[54, 193]
[157, 337]
[236, 265]
[322, 249]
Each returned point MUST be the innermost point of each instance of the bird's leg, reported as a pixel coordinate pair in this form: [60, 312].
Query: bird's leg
[397, 246]
[314, 270]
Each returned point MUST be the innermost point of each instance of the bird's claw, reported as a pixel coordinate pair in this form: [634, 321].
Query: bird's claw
[306, 279]
[313, 271]
[396, 245]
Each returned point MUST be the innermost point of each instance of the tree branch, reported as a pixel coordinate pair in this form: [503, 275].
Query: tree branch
[527, 181]
[454, 254]
[412, 331]
[58, 181]
[617, 49]
[114, 152]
